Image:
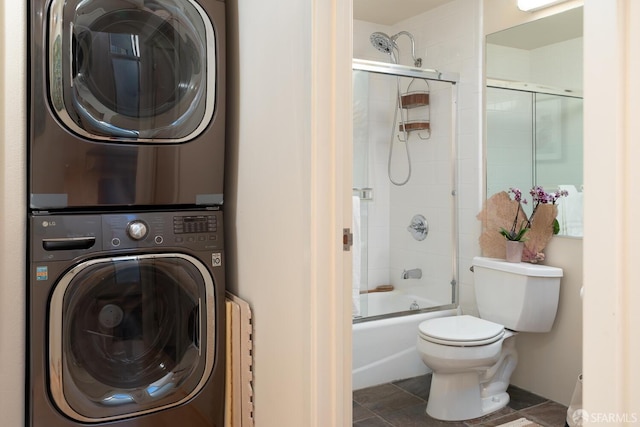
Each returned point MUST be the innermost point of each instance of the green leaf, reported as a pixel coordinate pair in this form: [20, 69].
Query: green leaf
[520, 236]
[516, 237]
[556, 226]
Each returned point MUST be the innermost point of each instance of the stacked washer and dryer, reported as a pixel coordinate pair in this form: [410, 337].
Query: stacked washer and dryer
[126, 276]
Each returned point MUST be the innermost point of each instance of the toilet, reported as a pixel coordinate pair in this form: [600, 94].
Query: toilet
[472, 358]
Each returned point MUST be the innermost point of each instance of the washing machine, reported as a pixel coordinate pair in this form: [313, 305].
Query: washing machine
[126, 319]
[127, 103]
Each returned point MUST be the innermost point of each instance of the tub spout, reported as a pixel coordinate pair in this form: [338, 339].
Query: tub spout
[415, 273]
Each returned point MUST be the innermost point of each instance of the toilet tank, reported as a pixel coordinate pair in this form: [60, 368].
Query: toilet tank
[521, 296]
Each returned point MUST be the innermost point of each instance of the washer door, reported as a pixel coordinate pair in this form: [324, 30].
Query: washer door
[130, 335]
[141, 70]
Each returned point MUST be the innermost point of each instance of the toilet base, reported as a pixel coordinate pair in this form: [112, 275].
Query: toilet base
[456, 397]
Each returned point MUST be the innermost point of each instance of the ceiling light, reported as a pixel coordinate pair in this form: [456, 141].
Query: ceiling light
[531, 5]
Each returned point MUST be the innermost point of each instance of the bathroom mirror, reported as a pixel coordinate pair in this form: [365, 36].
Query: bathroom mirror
[534, 111]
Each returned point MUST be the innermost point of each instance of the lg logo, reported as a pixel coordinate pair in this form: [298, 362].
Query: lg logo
[216, 259]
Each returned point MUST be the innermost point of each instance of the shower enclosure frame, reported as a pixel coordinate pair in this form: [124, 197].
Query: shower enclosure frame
[397, 70]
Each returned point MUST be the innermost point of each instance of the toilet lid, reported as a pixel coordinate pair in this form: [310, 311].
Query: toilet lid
[461, 331]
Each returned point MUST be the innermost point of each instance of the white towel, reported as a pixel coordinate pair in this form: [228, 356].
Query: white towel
[356, 255]
[570, 211]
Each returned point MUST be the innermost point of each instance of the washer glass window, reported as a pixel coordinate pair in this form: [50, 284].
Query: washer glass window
[130, 69]
[127, 333]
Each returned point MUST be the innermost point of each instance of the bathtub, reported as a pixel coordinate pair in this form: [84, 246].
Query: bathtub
[384, 350]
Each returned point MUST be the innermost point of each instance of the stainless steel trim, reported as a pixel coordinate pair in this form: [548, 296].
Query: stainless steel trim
[56, 81]
[533, 87]
[56, 361]
[404, 71]
[361, 319]
[455, 233]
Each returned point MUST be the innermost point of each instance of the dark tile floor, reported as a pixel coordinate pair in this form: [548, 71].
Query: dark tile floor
[403, 404]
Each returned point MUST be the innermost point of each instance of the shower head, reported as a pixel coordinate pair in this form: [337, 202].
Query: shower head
[387, 44]
[383, 42]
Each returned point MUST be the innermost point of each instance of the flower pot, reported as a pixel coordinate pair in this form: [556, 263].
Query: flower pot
[514, 250]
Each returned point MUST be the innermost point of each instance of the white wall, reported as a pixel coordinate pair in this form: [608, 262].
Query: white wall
[12, 211]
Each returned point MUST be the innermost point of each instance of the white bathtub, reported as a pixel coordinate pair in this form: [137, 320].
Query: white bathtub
[385, 350]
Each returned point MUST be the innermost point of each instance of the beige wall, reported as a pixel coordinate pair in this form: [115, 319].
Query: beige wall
[289, 122]
[12, 211]
[611, 252]
[549, 364]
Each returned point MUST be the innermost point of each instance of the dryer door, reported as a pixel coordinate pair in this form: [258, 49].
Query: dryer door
[130, 335]
[133, 70]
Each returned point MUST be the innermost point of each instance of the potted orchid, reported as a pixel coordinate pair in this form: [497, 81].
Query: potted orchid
[539, 196]
[516, 235]
[518, 230]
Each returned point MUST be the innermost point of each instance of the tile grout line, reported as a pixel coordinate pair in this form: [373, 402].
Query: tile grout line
[409, 393]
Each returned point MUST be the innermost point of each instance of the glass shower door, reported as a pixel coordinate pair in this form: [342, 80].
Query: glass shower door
[405, 244]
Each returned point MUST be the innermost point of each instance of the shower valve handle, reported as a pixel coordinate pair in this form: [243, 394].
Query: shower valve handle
[419, 228]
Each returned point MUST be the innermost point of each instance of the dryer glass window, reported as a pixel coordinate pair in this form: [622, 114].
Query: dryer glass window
[132, 70]
[131, 335]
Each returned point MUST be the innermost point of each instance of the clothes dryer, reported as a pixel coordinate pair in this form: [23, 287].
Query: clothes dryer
[127, 103]
[126, 320]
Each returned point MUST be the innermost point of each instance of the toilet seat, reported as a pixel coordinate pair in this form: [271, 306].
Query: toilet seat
[460, 331]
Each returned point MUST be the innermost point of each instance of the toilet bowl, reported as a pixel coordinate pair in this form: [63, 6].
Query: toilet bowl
[472, 358]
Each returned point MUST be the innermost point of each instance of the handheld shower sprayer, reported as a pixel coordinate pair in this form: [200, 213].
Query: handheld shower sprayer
[387, 44]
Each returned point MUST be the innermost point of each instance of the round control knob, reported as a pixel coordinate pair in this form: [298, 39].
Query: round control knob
[137, 230]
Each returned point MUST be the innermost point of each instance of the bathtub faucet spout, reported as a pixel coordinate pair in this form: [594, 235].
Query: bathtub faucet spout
[415, 273]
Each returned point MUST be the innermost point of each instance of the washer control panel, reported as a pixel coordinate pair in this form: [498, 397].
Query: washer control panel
[69, 235]
[195, 230]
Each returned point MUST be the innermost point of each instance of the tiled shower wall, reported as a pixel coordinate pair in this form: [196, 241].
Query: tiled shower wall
[558, 65]
[448, 38]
